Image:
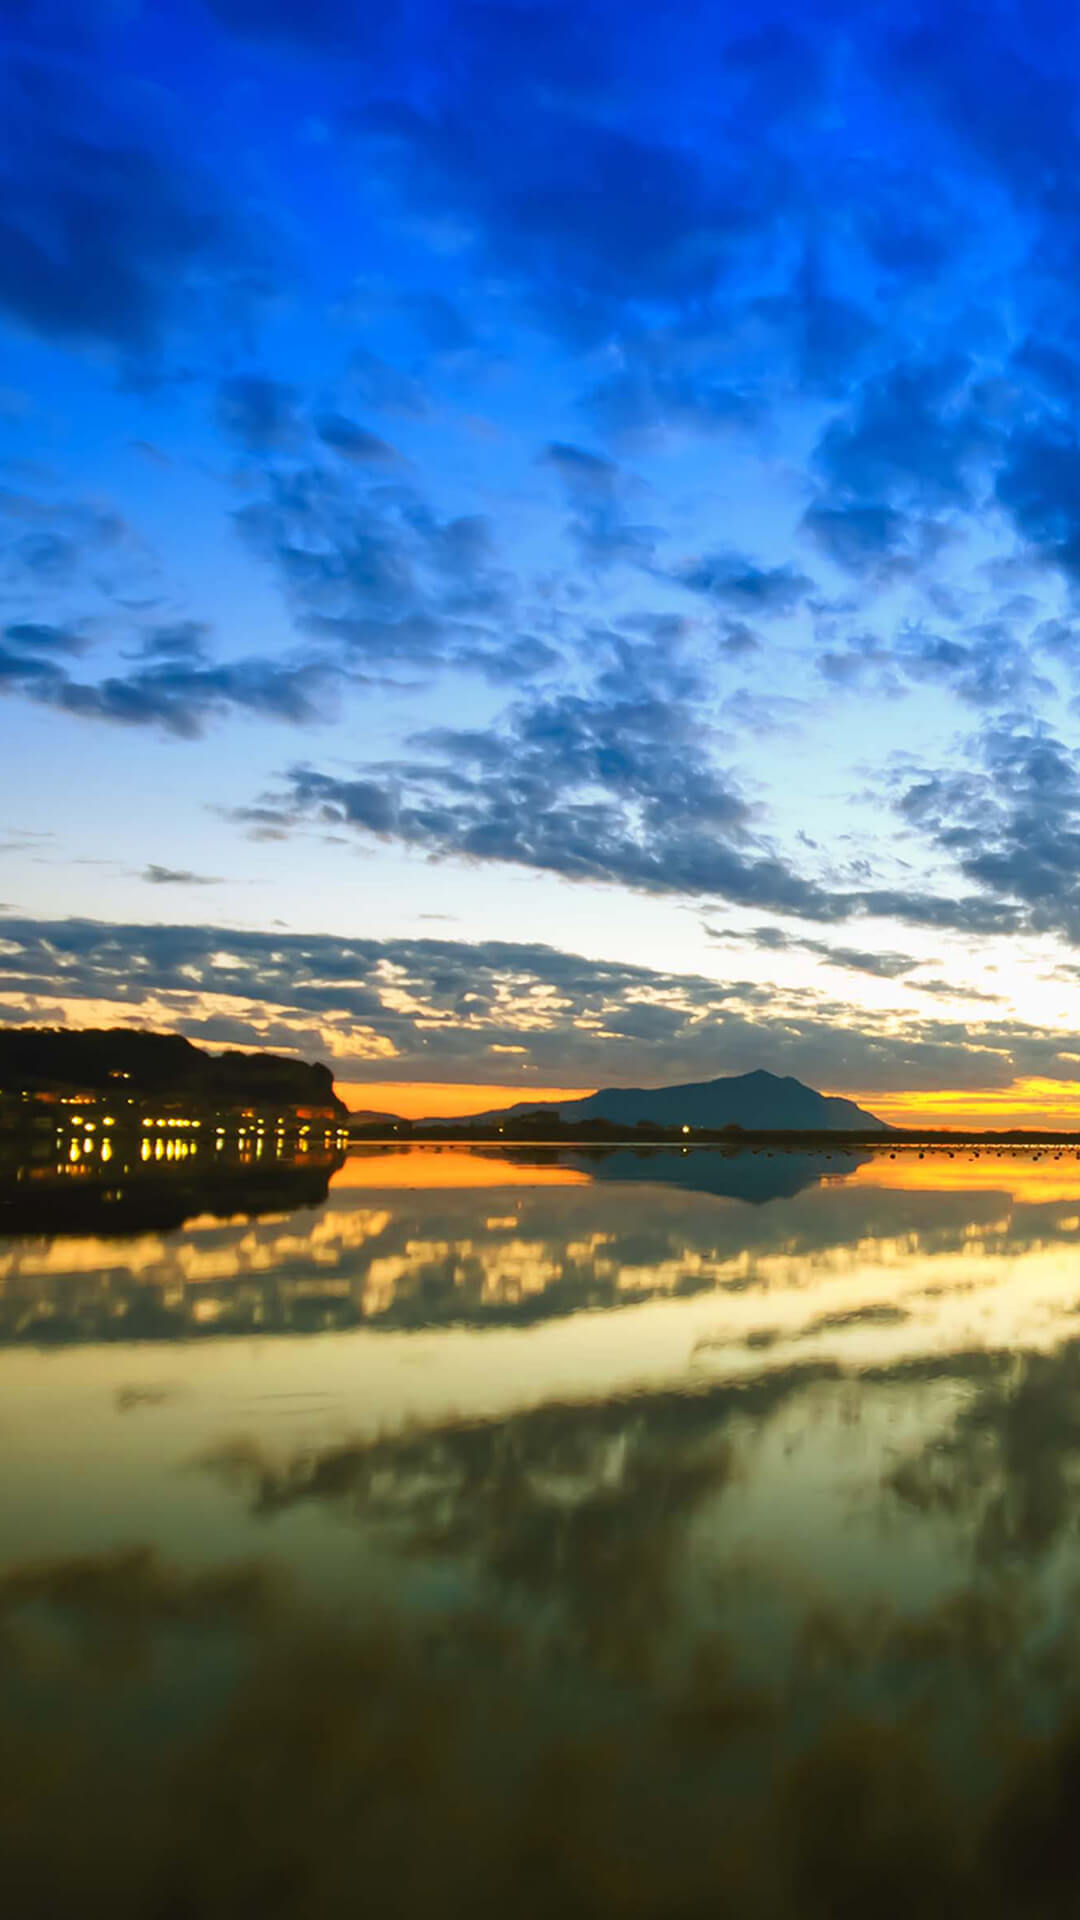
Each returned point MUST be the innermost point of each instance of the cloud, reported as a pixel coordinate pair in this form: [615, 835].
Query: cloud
[377, 383]
[532, 149]
[586, 214]
[353, 442]
[376, 574]
[910, 434]
[40, 637]
[600, 788]
[738, 583]
[856, 536]
[50, 544]
[1011, 819]
[440, 1009]
[180, 698]
[156, 876]
[652, 396]
[104, 237]
[1039, 486]
[992, 87]
[984, 666]
[176, 640]
[259, 413]
[883, 966]
[599, 490]
[334, 27]
[825, 334]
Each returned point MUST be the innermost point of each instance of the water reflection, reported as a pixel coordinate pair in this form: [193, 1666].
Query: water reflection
[419, 1238]
[628, 1543]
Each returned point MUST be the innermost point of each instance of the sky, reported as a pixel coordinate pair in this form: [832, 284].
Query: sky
[540, 544]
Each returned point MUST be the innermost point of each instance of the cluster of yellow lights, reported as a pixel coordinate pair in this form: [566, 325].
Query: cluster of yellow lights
[251, 1136]
[77, 1152]
[168, 1149]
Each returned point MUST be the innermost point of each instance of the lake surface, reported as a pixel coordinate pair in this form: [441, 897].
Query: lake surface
[600, 1532]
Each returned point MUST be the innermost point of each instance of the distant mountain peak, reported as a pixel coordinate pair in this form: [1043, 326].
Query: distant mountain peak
[759, 1101]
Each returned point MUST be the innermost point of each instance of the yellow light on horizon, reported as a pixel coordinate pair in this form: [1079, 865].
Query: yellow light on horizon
[1031, 1101]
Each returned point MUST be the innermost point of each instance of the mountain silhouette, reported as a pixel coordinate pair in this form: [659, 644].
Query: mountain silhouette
[758, 1102]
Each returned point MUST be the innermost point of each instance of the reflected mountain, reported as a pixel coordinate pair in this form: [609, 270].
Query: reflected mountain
[755, 1175]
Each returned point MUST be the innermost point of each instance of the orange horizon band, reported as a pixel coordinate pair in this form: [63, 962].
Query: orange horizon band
[1027, 1102]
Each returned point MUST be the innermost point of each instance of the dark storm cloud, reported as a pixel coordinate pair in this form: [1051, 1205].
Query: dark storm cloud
[577, 1021]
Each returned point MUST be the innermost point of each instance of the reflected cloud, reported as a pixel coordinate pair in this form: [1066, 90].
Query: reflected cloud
[787, 1629]
[1007, 1470]
[131, 1399]
[273, 1246]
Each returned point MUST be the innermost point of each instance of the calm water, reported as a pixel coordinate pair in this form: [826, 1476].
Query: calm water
[612, 1532]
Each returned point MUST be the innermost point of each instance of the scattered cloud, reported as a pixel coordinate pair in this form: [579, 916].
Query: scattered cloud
[156, 876]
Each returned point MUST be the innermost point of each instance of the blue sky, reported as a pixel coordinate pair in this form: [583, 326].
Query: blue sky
[539, 544]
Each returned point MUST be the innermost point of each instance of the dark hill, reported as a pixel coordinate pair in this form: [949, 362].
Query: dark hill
[157, 1065]
[757, 1102]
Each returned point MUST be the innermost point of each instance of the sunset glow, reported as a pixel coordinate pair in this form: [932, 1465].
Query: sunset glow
[427, 1100]
[1033, 1103]
[424, 1168]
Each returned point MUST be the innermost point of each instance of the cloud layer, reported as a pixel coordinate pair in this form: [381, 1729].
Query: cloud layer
[507, 1012]
[645, 447]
